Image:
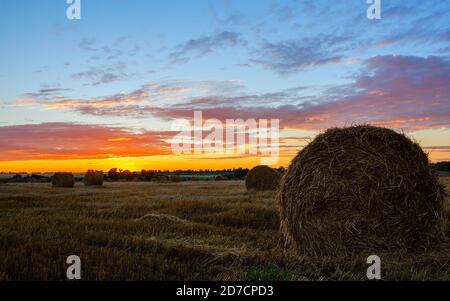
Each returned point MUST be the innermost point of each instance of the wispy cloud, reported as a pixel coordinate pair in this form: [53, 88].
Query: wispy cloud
[122, 46]
[171, 93]
[105, 74]
[47, 93]
[403, 92]
[199, 47]
[423, 28]
[291, 56]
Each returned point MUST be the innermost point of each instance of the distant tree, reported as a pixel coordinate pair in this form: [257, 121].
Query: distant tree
[229, 176]
[281, 170]
[240, 173]
[126, 175]
[113, 175]
[17, 177]
[442, 166]
[147, 175]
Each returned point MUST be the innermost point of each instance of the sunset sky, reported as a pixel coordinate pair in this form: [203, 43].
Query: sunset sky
[103, 91]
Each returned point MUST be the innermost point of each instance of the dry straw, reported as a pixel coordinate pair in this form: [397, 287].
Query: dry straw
[163, 218]
[93, 178]
[361, 189]
[262, 178]
[63, 179]
[175, 179]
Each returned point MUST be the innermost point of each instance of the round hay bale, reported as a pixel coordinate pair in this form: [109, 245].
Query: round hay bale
[162, 179]
[175, 179]
[63, 179]
[93, 178]
[262, 178]
[361, 189]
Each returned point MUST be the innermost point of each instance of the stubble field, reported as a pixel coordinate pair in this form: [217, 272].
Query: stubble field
[173, 231]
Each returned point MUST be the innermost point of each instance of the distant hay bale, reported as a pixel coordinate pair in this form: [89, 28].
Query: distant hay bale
[175, 178]
[63, 179]
[162, 179]
[220, 178]
[262, 178]
[361, 189]
[93, 178]
[163, 218]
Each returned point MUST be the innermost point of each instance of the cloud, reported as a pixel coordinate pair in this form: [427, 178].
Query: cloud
[106, 74]
[234, 19]
[204, 45]
[285, 13]
[133, 103]
[114, 68]
[402, 92]
[87, 44]
[54, 141]
[54, 101]
[122, 46]
[445, 148]
[47, 93]
[416, 35]
[292, 56]
[416, 24]
[71, 141]
[407, 93]
[60, 29]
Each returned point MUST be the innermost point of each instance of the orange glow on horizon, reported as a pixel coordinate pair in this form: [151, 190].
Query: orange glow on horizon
[161, 162]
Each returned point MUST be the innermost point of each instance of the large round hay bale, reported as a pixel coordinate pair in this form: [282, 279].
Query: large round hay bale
[262, 178]
[361, 189]
[63, 179]
[93, 178]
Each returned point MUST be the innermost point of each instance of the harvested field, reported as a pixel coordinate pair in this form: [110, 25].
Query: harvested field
[171, 231]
